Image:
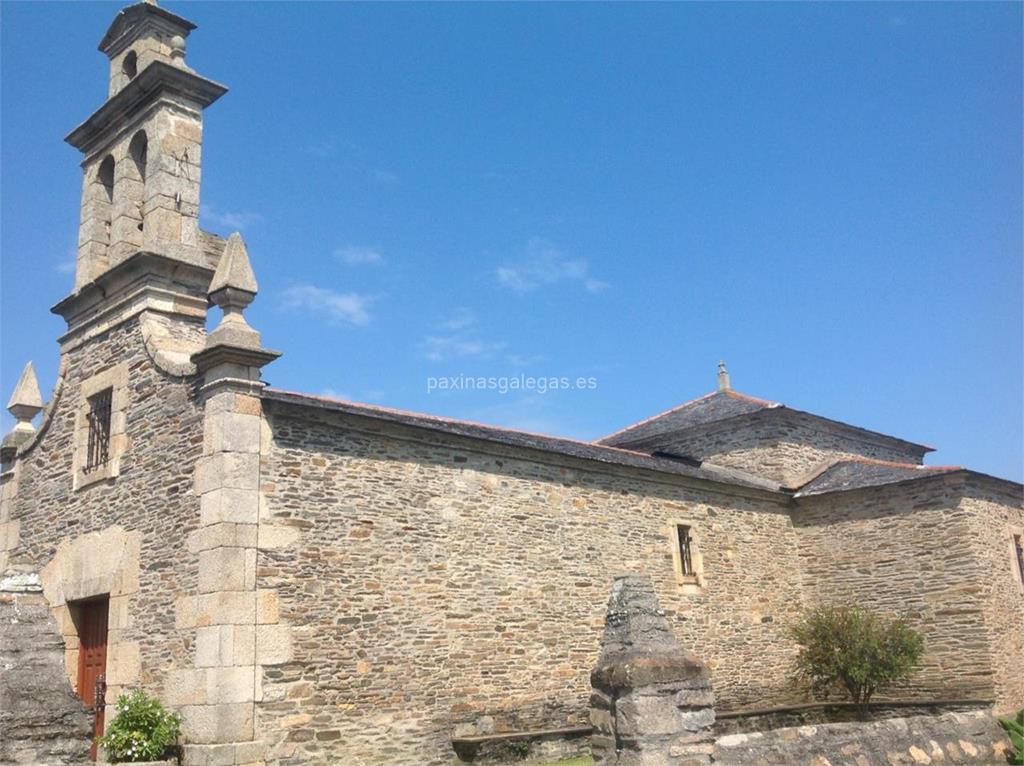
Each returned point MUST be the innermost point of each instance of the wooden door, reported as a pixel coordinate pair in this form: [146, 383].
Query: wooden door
[92, 658]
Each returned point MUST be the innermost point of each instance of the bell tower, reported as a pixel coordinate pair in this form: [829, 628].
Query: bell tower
[139, 243]
[142, 147]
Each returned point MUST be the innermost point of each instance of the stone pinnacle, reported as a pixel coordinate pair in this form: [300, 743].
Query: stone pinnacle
[26, 400]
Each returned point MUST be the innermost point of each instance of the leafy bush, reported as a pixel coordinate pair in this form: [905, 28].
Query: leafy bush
[848, 648]
[142, 729]
[1015, 731]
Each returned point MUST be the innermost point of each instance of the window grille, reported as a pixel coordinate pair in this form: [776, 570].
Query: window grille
[685, 557]
[1018, 546]
[99, 430]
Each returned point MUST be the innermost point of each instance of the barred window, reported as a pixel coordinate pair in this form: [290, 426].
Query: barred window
[685, 554]
[1018, 547]
[98, 451]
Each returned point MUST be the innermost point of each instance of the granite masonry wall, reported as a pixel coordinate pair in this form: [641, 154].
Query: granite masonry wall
[917, 549]
[438, 585]
[784, 446]
[124, 535]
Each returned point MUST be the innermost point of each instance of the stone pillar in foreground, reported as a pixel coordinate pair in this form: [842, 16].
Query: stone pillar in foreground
[41, 719]
[651, 703]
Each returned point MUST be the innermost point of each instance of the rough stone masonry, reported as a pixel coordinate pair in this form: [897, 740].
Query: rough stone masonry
[309, 580]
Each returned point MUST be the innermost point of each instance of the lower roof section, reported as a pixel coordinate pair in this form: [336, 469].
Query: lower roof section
[848, 475]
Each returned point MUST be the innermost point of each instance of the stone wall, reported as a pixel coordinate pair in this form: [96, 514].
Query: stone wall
[953, 738]
[917, 549]
[441, 585]
[41, 719]
[785, 447]
[997, 515]
[127, 533]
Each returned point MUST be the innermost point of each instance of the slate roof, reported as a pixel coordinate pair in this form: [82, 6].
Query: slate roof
[525, 439]
[858, 474]
[716, 407]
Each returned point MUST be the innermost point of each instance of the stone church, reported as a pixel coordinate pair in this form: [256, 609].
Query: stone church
[309, 580]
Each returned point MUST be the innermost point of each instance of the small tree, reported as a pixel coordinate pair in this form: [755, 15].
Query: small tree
[142, 729]
[852, 649]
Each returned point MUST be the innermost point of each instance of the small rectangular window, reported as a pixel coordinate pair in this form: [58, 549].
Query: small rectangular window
[98, 451]
[1018, 548]
[685, 555]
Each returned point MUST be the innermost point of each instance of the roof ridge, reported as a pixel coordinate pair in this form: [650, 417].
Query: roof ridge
[646, 420]
[455, 421]
[754, 399]
[731, 478]
[897, 464]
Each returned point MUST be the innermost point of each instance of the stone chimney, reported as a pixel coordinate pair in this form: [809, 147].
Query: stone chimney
[723, 377]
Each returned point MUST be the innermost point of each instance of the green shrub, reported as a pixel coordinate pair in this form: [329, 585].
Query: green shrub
[142, 729]
[1015, 731]
[848, 648]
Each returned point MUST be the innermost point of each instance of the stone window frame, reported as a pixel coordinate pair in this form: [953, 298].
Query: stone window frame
[691, 583]
[1016, 533]
[116, 379]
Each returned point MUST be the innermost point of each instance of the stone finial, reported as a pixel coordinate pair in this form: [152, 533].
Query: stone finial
[723, 377]
[177, 45]
[233, 288]
[651, 699]
[26, 401]
[234, 269]
[24, 404]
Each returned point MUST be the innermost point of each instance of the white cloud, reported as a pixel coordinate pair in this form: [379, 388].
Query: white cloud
[68, 263]
[326, 147]
[372, 395]
[523, 360]
[543, 265]
[532, 413]
[460, 339]
[460, 320]
[332, 393]
[350, 308]
[384, 177]
[354, 255]
[231, 220]
[437, 348]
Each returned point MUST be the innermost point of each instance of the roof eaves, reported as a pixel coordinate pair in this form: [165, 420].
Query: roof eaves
[923, 471]
[926, 448]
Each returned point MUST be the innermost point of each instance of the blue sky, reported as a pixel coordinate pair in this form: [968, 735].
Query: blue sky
[828, 196]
